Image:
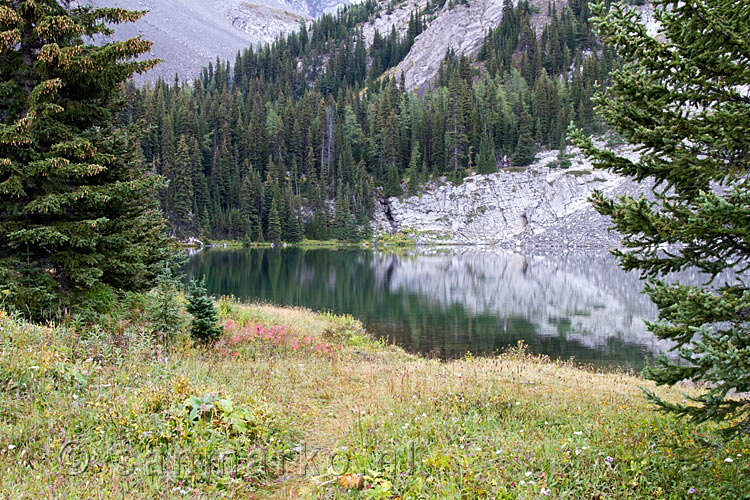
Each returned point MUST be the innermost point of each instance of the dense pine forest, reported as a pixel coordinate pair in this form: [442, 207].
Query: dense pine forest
[299, 138]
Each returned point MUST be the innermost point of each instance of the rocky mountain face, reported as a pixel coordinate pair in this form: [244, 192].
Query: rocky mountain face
[460, 26]
[534, 206]
[188, 34]
[392, 16]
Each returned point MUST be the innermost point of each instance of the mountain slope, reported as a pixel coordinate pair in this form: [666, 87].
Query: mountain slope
[459, 27]
[188, 34]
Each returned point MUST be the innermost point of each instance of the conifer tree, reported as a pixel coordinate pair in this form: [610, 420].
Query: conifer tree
[183, 190]
[164, 309]
[393, 183]
[415, 161]
[258, 232]
[563, 158]
[682, 98]
[341, 215]
[274, 222]
[292, 230]
[204, 327]
[456, 137]
[525, 151]
[486, 162]
[76, 206]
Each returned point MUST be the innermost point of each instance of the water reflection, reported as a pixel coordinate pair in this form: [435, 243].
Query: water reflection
[446, 304]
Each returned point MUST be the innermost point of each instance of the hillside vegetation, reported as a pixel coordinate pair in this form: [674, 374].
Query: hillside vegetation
[300, 137]
[291, 404]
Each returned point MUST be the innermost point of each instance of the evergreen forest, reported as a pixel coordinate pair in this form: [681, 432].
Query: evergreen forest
[302, 137]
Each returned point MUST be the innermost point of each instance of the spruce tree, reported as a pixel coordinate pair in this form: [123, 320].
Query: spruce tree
[525, 151]
[486, 163]
[204, 327]
[164, 308]
[274, 222]
[77, 209]
[393, 182]
[413, 170]
[293, 231]
[182, 205]
[563, 158]
[682, 98]
[341, 215]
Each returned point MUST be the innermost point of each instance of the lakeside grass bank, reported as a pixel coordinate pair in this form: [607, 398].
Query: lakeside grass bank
[291, 403]
[400, 240]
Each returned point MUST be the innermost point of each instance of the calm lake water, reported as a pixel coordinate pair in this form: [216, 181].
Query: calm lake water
[449, 302]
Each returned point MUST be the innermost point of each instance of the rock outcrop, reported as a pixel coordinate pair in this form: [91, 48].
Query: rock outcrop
[461, 27]
[189, 34]
[389, 17]
[533, 206]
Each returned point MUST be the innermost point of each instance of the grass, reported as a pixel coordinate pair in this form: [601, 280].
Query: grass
[332, 244]
[578, 173]
[231, 243]
[305, 244]
[403, 240]
[296, 404]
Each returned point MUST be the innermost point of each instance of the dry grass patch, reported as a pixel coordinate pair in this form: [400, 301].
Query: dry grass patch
[337, 415]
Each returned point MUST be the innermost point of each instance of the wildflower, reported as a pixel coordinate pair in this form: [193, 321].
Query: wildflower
[545, 492]
[728, 460]
[691, 491]
[528, 474]
[578, 433]
[609, 460]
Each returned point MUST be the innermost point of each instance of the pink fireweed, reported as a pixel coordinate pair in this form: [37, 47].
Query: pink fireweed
[276, 337]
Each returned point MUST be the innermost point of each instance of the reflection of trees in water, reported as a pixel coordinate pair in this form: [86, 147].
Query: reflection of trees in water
[447, 305]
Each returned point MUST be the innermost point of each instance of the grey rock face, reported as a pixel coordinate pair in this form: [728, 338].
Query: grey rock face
[461, 27]
[188, 34]
[534, 206]
[387, 18]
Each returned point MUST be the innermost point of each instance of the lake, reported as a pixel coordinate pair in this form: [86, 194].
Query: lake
[447, 302]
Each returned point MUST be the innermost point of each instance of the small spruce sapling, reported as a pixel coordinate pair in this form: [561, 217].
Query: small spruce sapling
[165, 310]
[205, 325]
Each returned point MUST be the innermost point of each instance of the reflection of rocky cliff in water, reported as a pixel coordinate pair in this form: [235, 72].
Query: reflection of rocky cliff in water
[588, 299]
[476, 299]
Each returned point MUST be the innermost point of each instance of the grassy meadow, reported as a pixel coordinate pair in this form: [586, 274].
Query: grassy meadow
[295, 404]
